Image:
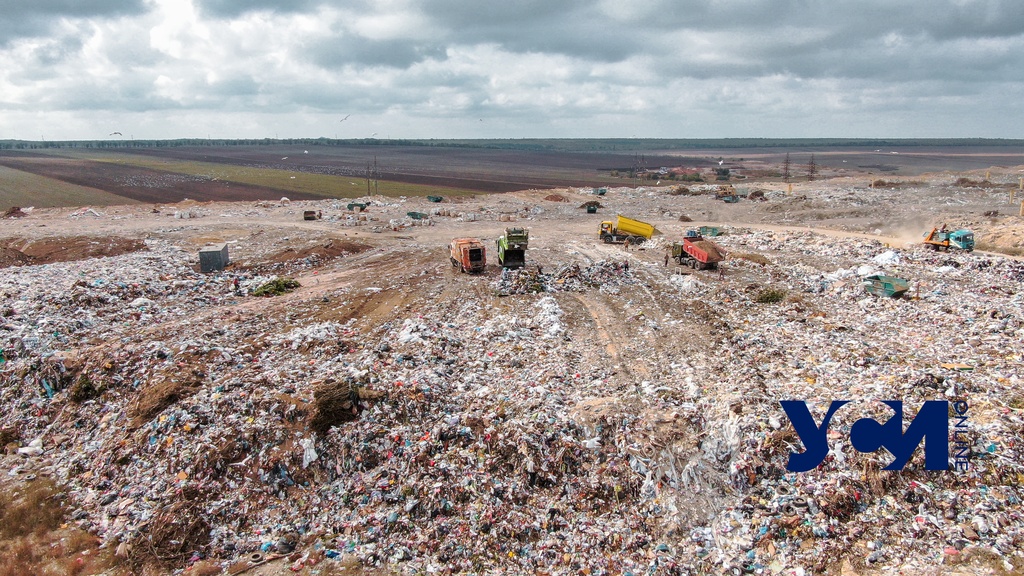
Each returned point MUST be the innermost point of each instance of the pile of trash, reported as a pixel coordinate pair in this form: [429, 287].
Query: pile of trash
[603, 274]
[460, 433]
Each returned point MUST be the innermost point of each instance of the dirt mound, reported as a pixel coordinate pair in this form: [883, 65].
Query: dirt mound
[12, 257]
[45, 251]
[320, 254]
[555, 198]
[14, 212]
[711, 248]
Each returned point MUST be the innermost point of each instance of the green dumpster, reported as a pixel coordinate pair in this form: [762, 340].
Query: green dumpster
[881, 285]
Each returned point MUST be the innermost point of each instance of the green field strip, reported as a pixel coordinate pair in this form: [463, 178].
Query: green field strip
[326, 185]
[19, 188]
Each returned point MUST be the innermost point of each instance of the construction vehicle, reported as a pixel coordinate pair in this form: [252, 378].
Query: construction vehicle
[512, 247]
[941, 239]
[727, 193]
[623, 229]
[696, 252]
[435, 198]
[709, 231]
[881, 285]
[468, 255]
[358, 206]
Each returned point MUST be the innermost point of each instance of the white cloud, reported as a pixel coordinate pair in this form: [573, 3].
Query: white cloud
[534, 68]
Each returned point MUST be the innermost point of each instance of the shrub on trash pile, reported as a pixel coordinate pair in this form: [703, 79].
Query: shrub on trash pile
[174, 535]
[31, 511]
[84, 389]
[770, 296]
[277, 287]
[336, 403]
[155, 398]
[9, 435]
[32, 540]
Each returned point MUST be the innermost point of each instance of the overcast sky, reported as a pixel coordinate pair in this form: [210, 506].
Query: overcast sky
[82, 69]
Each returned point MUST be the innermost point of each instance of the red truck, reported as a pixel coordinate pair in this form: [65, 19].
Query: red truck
[468, 254]
[696, 252]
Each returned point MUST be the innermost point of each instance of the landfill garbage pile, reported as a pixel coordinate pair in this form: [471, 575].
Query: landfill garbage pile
[625, 429]
[605, 275]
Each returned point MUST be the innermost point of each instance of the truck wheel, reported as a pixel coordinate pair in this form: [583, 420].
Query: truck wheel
[607, 239]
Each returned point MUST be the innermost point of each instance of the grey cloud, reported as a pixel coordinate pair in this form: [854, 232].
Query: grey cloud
[36, 18]
[231, 8]
[572, 28]
[348, 50]
[55, 51]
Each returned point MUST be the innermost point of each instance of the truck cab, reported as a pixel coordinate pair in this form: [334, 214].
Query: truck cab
[962, 239]
[607, 231]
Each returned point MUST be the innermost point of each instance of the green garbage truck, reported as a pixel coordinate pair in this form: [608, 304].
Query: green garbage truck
[512, 247]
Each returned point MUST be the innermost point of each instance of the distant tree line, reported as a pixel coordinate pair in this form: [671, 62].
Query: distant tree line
[181, 142]
[526, 144]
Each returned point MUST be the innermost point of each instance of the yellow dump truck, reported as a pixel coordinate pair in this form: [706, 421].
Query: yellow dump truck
[623, 229]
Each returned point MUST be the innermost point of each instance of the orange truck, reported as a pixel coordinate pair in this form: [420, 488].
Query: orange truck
[468, 254]
[696, 252]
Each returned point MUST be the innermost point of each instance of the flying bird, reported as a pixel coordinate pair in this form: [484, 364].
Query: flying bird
[118, 133]
[305, 151]
[720, 162]
[345, 118]
[285, 158]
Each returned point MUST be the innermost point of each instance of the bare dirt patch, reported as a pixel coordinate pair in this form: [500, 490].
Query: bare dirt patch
[314, 256]
[20, 252]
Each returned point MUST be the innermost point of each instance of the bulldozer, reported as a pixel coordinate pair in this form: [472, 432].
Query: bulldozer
[727, 193]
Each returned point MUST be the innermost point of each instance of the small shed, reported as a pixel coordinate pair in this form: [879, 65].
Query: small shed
[213, 258]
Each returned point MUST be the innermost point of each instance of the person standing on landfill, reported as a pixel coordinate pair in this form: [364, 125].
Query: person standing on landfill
[666, 258]
[234, 283]
[626, 245]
